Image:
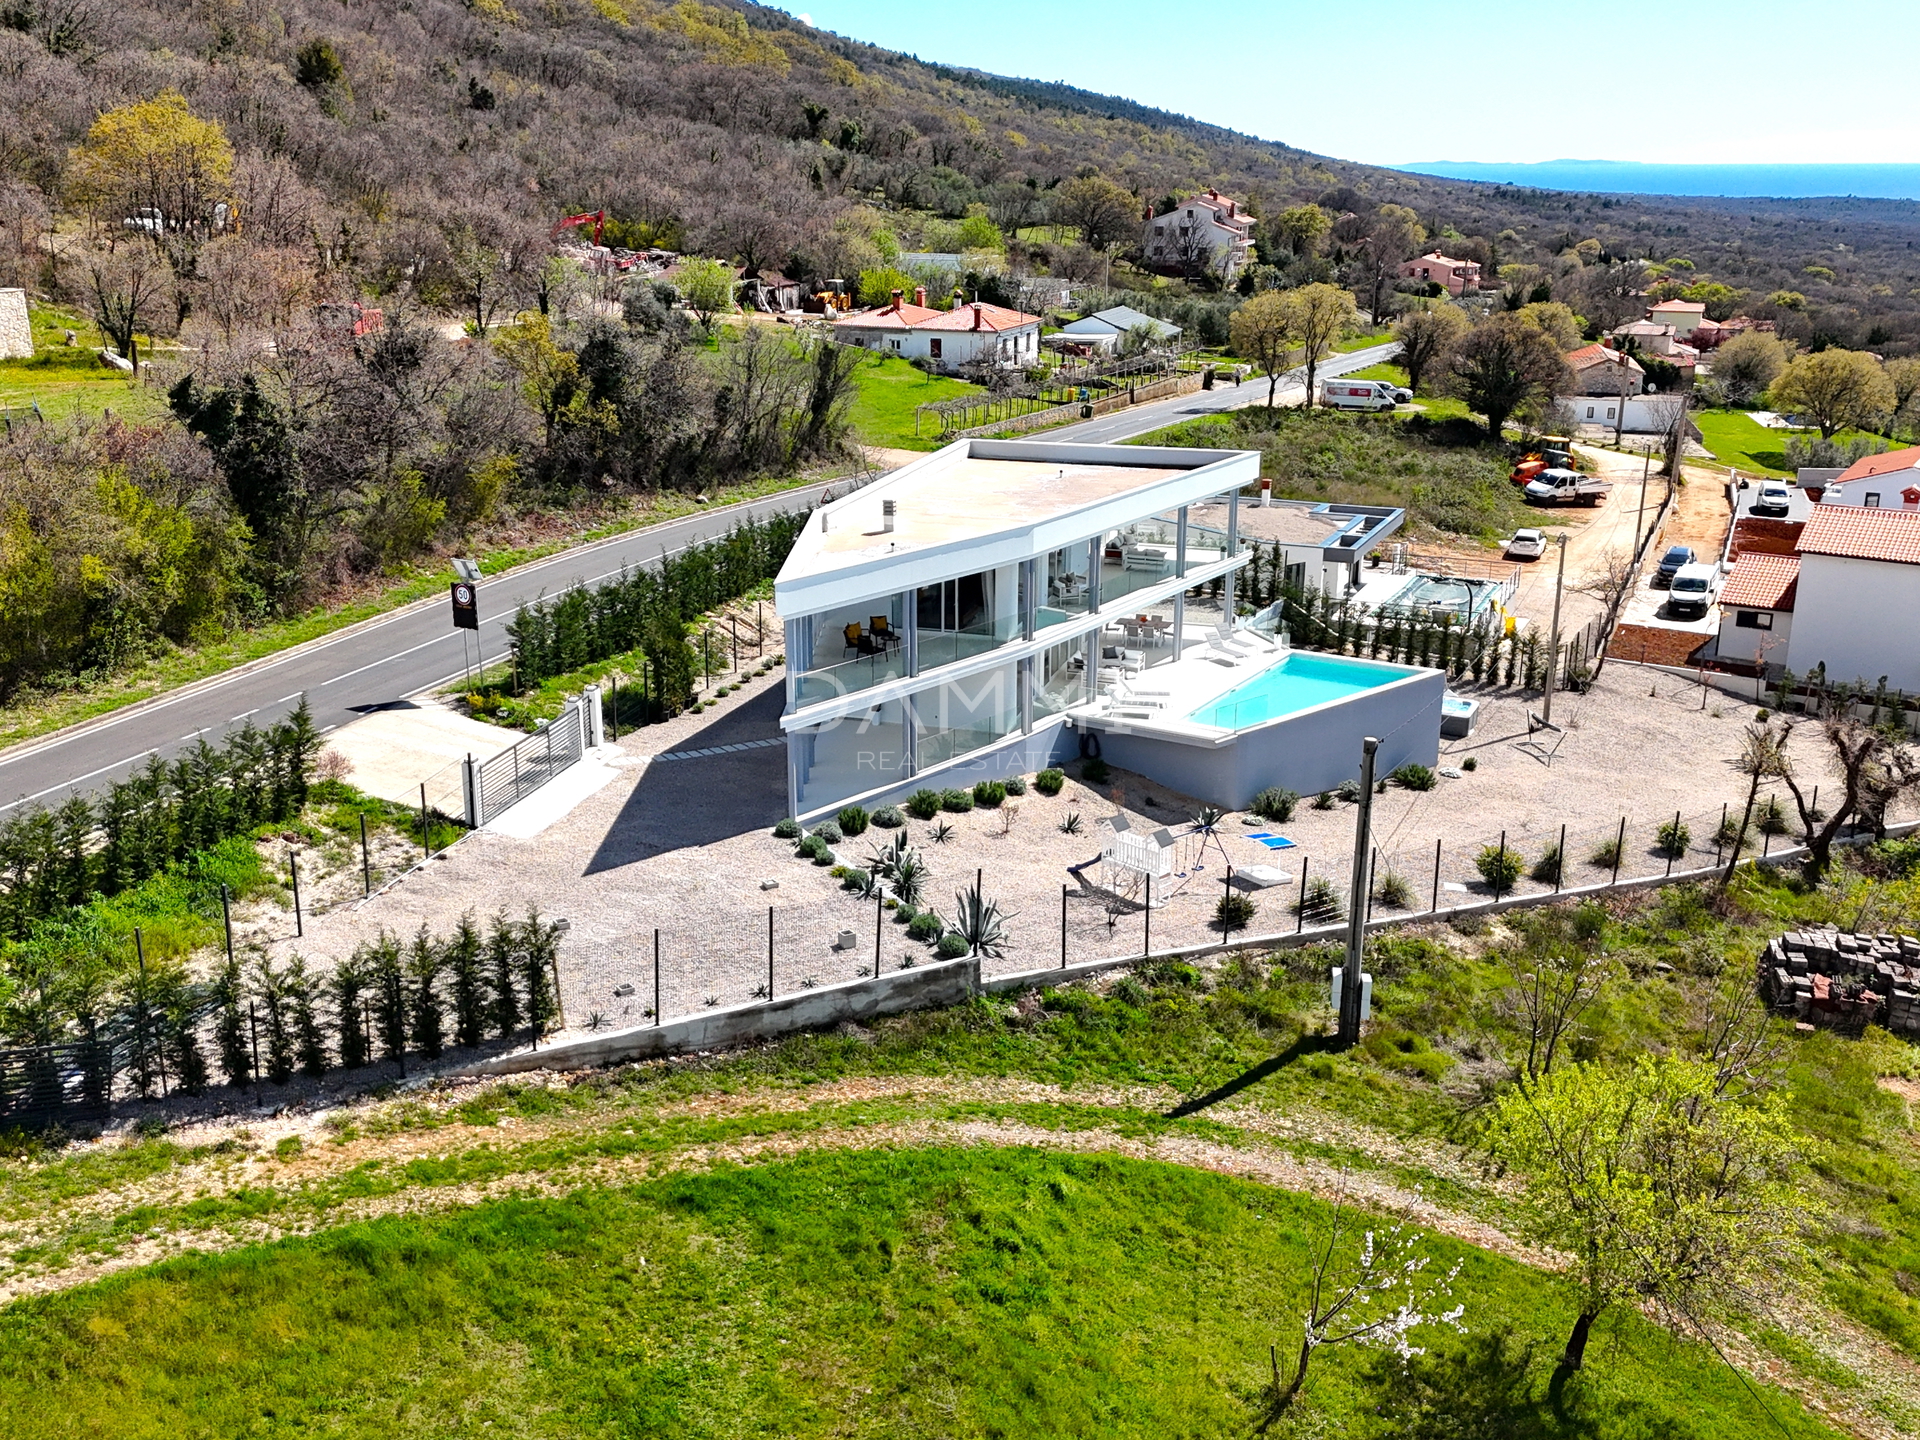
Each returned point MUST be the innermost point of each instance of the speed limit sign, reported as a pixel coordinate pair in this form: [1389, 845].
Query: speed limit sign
[466, 606]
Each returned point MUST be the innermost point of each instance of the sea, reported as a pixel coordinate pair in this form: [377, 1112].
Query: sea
[1623, 177]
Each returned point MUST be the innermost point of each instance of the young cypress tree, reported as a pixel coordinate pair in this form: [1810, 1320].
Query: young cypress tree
[502, 966]
[469, 983]
[539, 948]
[425, 960]
[348, 989]
[387, 981]
[270, 993]
[309, 1042]
[230, 1033]
[173, 998]
[294, 743]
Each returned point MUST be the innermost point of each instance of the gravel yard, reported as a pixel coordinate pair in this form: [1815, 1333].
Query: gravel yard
[683, 845]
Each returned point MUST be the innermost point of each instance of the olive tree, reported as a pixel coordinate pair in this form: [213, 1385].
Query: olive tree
[1427, 337]
[1263, 332]
[1501, 364]
[1321, 315]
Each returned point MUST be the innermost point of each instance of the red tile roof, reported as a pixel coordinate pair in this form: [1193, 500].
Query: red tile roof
[1857, 533]
[1870, 465]
[903, 315]
[1598, 354]
[1674, 307]
[1762, 582]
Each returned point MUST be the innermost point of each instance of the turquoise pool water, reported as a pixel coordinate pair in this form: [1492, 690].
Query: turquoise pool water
[1299, 682]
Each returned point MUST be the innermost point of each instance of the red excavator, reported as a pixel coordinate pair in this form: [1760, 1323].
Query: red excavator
[598, 217]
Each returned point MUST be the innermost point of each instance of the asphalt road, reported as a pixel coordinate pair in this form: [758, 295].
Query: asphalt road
[347, 674]
[381, 661]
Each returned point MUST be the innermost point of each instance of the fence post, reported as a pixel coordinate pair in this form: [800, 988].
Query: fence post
[879, 914]
[1503, 865]
[1372, 872]
[614, 685]
[1719, 836]
[769, 952]
[253, 1027]
[366, 859]
[1560, 860]
[1673, 839]
[426, 843]
[470, 793]
[1146, 916]
[1435, 907]
[656, 977]
[1619, 849]
[1063, 926]
[1302, 911]
[226, 919]
[293, 869]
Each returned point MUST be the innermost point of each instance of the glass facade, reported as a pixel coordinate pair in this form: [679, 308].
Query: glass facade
[964, 714]
[1060, 677]
[852, 649]
[846, 757]
[959, 619]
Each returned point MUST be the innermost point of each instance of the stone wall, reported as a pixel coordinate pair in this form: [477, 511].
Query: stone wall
[16, 334]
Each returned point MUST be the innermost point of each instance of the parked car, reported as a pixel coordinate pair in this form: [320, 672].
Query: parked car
[1773, 502]
[1694, 587]
[1670, 563]
[1362, 395]
[1526, 545]
[1564, 487]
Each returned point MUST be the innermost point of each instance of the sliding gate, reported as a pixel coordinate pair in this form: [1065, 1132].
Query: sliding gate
[502, 781]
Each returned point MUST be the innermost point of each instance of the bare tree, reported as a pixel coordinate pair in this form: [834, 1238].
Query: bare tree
[1761, 758]
[1550, 1001]
[1610, 585]
[1876, 767]
[1739, 1038]
[124, 289]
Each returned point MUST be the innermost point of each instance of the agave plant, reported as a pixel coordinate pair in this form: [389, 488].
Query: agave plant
[981, 923]
[881, 859]
[909, 879]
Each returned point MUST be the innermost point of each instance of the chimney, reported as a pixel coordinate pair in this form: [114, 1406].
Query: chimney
[976, 314]
[886, 516]
[920, 296]
[898, 296]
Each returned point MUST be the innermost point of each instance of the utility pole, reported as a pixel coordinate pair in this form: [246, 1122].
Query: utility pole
[1553, 642]
[1646, 464]
[1349, 1034]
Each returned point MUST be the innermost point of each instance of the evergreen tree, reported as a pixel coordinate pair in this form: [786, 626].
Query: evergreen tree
[230, 1033]
[348, 987]
[271, 997]
[387, 981]
[463, 962]
[539, 951]
[502, 967]
[310, 1042]
[425, 961]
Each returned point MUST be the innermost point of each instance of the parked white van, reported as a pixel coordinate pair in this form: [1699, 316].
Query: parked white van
[1363, 395]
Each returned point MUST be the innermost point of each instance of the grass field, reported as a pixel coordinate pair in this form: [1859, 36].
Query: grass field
[1362, 342]
[890, 388]
[68, 381]
[968, 1292]
[1736, 439]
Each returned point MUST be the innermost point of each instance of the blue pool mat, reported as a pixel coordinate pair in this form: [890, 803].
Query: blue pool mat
[1272, 841]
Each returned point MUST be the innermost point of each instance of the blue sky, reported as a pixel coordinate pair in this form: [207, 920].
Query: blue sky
[1386, 82]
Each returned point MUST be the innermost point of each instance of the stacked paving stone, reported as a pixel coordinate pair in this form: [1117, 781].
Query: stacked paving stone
[1827, 977]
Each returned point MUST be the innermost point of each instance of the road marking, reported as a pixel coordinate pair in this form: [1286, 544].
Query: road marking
[76, 780]
[295, 696]
[242, 715]
[387, 660]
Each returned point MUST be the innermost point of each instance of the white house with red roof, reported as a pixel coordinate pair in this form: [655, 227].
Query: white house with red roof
[1878, 482]
[1685, 316]
[1855, 596]
[1601, 370]
[1756, 608]
[1208, 223]
[970, 333]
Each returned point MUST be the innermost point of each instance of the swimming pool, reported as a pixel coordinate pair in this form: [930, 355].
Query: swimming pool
[1297, 683]
[1464, 596]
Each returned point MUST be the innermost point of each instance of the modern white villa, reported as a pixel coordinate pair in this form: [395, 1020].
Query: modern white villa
[1000, 605]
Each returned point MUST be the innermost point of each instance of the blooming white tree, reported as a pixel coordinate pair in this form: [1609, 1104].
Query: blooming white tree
[1376, 1295]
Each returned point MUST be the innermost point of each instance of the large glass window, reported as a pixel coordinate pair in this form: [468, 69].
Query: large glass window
[1137, 556]
[854, 647]
[1060, 677]
[1065, 586]
[963, 714]
[969, 616]
[850, 756]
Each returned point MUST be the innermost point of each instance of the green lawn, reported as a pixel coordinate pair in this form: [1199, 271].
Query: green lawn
[69, 381]
[962, 1292]
[1736, 439]
[1362, 342]
[890, 388]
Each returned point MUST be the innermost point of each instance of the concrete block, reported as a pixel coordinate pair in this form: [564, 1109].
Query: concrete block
[944, 982]
[16, 332]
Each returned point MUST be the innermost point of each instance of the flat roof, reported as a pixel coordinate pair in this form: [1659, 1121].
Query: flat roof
[979, 504]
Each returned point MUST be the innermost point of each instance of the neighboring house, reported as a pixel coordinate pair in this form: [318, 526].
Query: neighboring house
[1756, 608]
[1814, 479]
[968, 334]
[1650, 336]
[1456, 277]
[1105, 328]
[1322, 546]
[1859, 572]
[941, 622]
[1878, 482]
[1632, 414]
[1209, 225]
[1685, 316]
[1601, 370]
[769, 291]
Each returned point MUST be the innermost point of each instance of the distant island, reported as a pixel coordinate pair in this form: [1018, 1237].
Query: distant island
[1885, 182]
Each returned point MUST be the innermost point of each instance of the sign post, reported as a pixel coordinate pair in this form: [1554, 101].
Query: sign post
[466, 605]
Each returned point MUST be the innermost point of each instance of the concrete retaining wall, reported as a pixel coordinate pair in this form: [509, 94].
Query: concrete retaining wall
[941, 983]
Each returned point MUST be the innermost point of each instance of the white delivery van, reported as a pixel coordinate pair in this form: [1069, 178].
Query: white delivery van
[1361, 395]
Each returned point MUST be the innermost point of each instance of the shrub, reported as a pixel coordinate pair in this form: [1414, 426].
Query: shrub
[1771, 818]
[829, 832]
[989, 794]
[1323, 801]
[1472, 762]
[1763, 714]
[815, 849]
[951, 947]
[1547, 868]
[1275, 804]
[1674, 837]
[1233, 911]
[1320, 901]
[923, 804]
[788, 829]
[1606, 854]
[887, 817]
[1016, 785]
[1070, 823]
[1590, 922]
[1394, 890]
[956, 802]
[854, 820]
[941, 833]
[1050, 781]
[1095, 771]
[1499, 866]
[1349, 791]
[858, 881]
[1413, 777]
[1728, 830]
[927, 926]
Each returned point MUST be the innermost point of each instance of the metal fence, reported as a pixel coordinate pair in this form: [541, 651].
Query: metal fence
[499, 782]
[45, 1084]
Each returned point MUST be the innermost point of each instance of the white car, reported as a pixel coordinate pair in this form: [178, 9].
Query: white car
[1526, 545]
[1692, 592]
